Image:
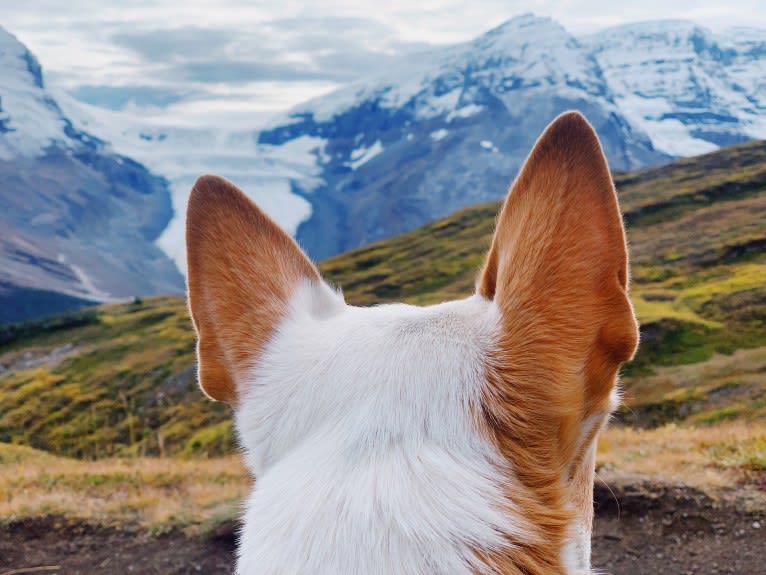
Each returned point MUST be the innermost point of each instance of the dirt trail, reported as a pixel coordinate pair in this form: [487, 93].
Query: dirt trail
[658, 530]
[661, 530]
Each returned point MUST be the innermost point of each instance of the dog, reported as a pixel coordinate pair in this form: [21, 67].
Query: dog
[456, 438]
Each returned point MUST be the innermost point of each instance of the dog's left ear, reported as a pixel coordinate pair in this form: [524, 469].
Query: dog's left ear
[242, 270]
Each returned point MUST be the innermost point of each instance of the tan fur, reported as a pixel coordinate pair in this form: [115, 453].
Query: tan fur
[558, 270]
[241, 271]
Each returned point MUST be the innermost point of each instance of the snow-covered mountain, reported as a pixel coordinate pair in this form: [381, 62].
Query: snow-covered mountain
[448, 128]
[690, 90]
[439, 130]
[78, 221]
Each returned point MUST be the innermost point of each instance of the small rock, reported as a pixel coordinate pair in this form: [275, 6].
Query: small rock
[756, 525]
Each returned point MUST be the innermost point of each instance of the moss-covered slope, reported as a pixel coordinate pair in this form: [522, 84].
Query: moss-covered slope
[119, 379]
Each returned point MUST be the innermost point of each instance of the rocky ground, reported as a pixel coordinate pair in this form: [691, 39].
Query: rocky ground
[653, 530]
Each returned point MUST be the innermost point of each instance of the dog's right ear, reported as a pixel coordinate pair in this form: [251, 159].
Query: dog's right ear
[242, 270]
[558, 271]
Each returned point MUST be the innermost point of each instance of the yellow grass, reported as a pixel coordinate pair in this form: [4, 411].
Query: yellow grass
[651, 311]
[158, 493]
[723, 460]
[723, 381]
[144, 492]
[740, 278]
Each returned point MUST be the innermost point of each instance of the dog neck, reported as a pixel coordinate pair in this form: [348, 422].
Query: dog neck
[360, 427]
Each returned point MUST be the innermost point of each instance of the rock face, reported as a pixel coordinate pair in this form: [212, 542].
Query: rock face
[78, 221]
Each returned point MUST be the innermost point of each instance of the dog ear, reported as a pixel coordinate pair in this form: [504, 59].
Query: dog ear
[242, 270]
[558, 271]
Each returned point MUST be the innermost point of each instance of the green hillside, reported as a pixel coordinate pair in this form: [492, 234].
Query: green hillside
[119, 379]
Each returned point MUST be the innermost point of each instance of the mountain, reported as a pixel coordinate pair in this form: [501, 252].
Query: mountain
[78, 221]
[120, 379]
[690, 90]
[449, 128]
[445, 129]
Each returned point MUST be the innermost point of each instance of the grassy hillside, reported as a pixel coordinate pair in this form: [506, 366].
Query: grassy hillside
[119, 379]
[728, 460]
[157, 493]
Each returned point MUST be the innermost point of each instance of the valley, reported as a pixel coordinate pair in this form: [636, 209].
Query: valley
[440, 130]
[111, 458]
[124, 384]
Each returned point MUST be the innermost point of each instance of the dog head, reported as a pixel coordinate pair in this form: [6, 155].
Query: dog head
[494, 401]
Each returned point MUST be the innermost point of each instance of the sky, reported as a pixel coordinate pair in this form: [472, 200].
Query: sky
[235, 57]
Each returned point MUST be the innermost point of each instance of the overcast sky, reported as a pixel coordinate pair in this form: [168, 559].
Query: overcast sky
[264, 56]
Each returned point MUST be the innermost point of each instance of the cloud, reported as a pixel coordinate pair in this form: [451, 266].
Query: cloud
[238, 72]
[168, 44]
[322, 33]
[286, 50]
[118, 97]
[101, 50]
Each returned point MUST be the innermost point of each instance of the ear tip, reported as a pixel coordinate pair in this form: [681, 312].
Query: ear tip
[574, 116]
[572, 125]
[211, 191]
[570, 140]
[206, 180]
[209, 184]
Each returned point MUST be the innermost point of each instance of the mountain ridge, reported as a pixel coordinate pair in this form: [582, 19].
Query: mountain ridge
[79, 221]
[449, 127]
[642, 119]
[443, 130]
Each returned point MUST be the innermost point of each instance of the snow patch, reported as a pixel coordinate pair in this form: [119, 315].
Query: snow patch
[89, 289]
[667, 135]
[435, 106]
[363, 155]
[464, 112]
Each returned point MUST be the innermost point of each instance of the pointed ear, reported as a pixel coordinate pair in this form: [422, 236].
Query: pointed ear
[242, 270]
[558, 271]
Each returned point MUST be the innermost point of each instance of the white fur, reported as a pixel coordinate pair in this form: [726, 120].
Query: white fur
[359, 425]
[575, 556]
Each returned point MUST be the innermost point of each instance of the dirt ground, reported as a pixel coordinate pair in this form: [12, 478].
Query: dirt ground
[661, 530]
[656, 531]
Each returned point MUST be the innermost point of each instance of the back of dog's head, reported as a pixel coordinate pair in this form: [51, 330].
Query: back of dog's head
[452, 438]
